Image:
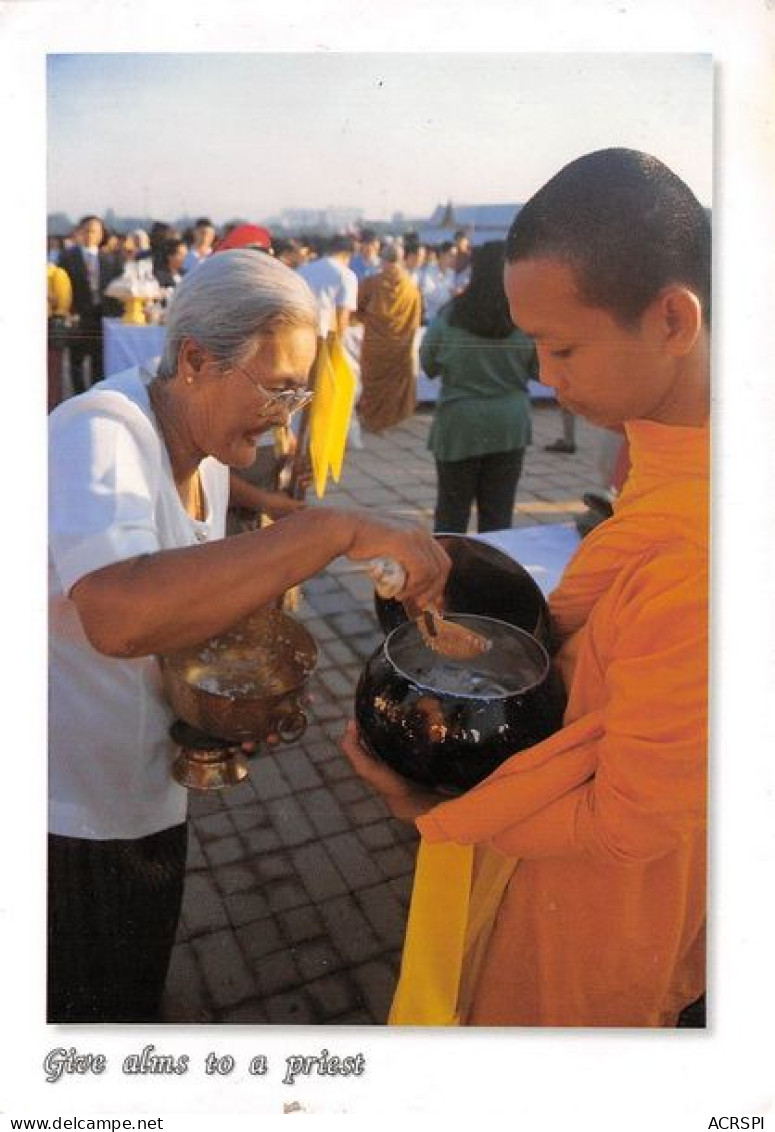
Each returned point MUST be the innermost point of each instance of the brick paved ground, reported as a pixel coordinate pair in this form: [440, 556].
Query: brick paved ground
[298, 880]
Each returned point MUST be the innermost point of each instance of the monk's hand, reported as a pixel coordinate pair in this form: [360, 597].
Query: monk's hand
[404, 800]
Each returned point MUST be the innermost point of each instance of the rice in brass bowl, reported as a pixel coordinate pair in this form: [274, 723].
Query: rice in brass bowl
[244, 684]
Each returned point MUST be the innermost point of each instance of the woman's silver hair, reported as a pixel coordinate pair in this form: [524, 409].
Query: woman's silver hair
[230, 301]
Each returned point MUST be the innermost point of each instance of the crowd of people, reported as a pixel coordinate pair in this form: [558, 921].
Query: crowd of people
[373, 295]
[566, 889]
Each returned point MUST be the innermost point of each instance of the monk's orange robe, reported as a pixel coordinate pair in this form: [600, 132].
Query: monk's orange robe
[389, 306]
[570, 885]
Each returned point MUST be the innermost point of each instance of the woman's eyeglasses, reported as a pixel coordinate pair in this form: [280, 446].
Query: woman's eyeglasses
[289, 399]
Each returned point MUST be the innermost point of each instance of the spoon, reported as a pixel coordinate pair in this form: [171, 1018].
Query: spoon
[441, 636]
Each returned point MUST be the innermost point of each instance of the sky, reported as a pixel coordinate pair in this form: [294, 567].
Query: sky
[248, 135]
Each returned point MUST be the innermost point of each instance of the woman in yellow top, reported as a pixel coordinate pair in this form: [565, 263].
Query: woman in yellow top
[568, 888]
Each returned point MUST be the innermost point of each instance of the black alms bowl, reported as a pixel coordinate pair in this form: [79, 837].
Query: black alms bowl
[448, 724]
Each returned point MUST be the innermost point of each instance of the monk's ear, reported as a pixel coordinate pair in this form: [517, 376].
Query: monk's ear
[679, 314]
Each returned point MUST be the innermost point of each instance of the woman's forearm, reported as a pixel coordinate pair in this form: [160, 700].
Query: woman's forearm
[159, 602]
[155, 603]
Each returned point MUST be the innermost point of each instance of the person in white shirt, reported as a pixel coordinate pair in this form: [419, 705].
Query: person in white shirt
[202, 241]
[438, 284]
[138, 567]
[366, 260]
[334, 285]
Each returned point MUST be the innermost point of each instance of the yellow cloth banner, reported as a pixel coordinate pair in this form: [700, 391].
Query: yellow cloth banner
[330, 413]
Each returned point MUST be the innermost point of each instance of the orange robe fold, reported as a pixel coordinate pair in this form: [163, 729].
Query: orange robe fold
[599, 912]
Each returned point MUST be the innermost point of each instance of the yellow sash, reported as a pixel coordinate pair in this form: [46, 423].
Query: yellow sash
[457, 890]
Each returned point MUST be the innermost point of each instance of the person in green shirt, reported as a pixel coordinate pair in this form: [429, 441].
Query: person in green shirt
[481, 426]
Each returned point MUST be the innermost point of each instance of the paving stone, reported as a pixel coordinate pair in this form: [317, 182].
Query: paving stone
[349, 929]
[284, 894]
[351, 790]
[355, 1018]
[368, 810]
[258, 939]
[385, 913]
[327, 710]
[335, 602]
[224, 851]
[376, 981]
[195, 858]
[320, 629]
[315, 958]
[338, 683]
[352, 860]
[317, 872]
[214, 826]
[394, 862]
[246, 907]
[260, 841]
[300, 924]
[249, 1013]
[224, 970]
[405, 832]
[292, 1009]
[365, 645]
[322, 583]
[352, 624]
[325, 813]
[402, 887]
[321, 750]
[249, 817]
[379, 835]
[276, 972]
[298, 769]
[267, 780]
[185, 998]
[203, 909]
[290, 823]
[336, 769]
[235, 878]
[202, 802]
[332, 997]
[273, 866]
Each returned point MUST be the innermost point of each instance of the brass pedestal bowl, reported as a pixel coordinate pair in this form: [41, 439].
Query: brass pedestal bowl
[242, 686]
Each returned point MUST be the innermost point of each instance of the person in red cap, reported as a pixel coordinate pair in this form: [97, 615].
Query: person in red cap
[246, 236]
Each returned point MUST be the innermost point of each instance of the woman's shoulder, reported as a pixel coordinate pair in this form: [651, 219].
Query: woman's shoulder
[121, 400]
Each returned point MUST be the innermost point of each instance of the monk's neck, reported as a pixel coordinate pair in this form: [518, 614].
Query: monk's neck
[688, 402]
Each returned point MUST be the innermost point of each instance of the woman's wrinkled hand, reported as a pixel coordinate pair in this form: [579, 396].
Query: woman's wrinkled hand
[424, 561]
[404, 800]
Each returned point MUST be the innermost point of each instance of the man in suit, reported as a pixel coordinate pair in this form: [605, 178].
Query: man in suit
[90, 270]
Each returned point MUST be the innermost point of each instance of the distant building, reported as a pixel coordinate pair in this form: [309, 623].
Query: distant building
[481, 222]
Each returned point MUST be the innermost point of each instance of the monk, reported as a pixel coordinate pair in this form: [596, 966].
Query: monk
[568, 888]
[389, 307]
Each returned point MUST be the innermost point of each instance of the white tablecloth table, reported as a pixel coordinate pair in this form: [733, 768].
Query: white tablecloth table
[125, 345]
[543, 549]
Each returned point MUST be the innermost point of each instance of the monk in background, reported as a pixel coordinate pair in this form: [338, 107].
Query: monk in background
[389, 307]
[568, 888]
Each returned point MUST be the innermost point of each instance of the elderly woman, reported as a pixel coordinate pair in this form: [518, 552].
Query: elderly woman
[139, 474]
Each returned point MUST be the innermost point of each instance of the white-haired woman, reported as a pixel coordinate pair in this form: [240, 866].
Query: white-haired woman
[139, 480]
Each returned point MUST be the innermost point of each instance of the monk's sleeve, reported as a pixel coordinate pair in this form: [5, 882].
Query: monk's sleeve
[645, 791]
